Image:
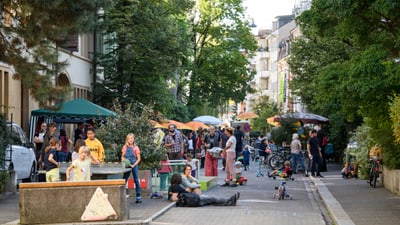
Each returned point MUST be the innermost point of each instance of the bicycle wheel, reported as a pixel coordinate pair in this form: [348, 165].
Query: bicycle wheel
[371, 175]
[376, 174]
[276, 162]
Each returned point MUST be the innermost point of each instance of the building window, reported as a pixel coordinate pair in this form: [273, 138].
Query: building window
[81, 93]
[4, 91]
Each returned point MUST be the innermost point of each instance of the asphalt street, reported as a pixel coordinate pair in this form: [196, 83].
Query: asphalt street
[328, 200]
[256, 204]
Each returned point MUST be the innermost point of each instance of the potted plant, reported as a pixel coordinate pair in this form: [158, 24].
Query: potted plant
[3, 145]
[134, 118]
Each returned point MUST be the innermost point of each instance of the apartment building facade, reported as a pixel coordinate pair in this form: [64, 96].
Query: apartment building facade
[16, 102]
[273, 74]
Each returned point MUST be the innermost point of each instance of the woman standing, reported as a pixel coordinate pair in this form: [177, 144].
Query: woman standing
[65, 143]
[295, 148]
[38, 139]
[230, 156]
[131, 152]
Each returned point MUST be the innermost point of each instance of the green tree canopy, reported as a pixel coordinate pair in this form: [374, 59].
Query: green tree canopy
[345, 65]
[264, 108]
[147, 41]
[223, 41]
[29, 33]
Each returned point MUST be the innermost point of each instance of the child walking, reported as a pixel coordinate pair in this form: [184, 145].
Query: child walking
[81, 165]
[164, 172]
[131, 152]
[51, 161]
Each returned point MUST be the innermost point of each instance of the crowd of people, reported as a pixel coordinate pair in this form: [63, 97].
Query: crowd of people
[52, 148]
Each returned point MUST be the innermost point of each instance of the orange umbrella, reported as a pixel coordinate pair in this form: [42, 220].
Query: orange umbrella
[195, 125]
[179, 125]
[247, 115]
[158, 125]
[273, 120]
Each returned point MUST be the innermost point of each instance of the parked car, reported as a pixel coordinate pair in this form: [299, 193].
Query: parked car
[20, 154]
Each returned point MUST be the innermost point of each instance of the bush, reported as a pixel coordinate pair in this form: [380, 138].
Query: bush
[3, 180]
[395, 117]
[135, 118]
[365, 142]
[3, 139]
[284, 132]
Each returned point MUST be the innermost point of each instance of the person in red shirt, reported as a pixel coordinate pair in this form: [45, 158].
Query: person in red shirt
[287, 171]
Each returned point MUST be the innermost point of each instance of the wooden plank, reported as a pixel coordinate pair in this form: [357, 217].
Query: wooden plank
[71, 184]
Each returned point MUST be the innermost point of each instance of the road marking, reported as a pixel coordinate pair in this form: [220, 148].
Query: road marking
[257, 201]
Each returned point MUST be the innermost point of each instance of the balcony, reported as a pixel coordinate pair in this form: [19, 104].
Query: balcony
[263, 54]
[264, 74]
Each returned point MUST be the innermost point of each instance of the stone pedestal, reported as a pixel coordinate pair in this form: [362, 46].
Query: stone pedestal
[41, 203]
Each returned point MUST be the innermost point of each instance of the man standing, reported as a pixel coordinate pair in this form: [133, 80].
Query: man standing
[314, 153]
[174, 141]
[224, 139]
[322, 141]
[78, 133]
[158, 135]
[239, 135]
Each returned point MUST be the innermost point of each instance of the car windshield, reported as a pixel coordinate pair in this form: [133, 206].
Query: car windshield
[17, 136]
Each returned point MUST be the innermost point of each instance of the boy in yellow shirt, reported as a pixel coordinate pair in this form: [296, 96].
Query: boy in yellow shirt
[95, 146]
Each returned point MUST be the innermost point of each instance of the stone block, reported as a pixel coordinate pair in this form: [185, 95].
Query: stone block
[65, 202]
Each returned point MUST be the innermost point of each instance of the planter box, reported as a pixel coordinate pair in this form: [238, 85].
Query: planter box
[391, 180]
[41, 203]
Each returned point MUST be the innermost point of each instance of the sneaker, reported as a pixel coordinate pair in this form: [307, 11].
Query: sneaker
[269, 175]
[127, 196]
[138, 201]
[225, 185]
[313, 174]
[320, 176]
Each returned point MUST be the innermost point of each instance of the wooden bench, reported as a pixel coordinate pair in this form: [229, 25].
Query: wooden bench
[68, 202]
[207, 182]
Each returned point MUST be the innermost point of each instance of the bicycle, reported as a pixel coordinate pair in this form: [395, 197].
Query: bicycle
[282, 193]
[277, 159]
[374, 172]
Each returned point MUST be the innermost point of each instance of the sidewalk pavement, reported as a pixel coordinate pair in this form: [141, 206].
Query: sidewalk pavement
[354, 201]
[348, 202]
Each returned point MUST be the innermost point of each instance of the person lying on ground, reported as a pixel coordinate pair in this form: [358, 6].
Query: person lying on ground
[184, 198]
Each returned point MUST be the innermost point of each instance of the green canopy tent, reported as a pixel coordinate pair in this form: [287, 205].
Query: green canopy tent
[74, 111]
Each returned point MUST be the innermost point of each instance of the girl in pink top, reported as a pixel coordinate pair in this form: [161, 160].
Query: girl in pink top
[164, 172]
[131, 152]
